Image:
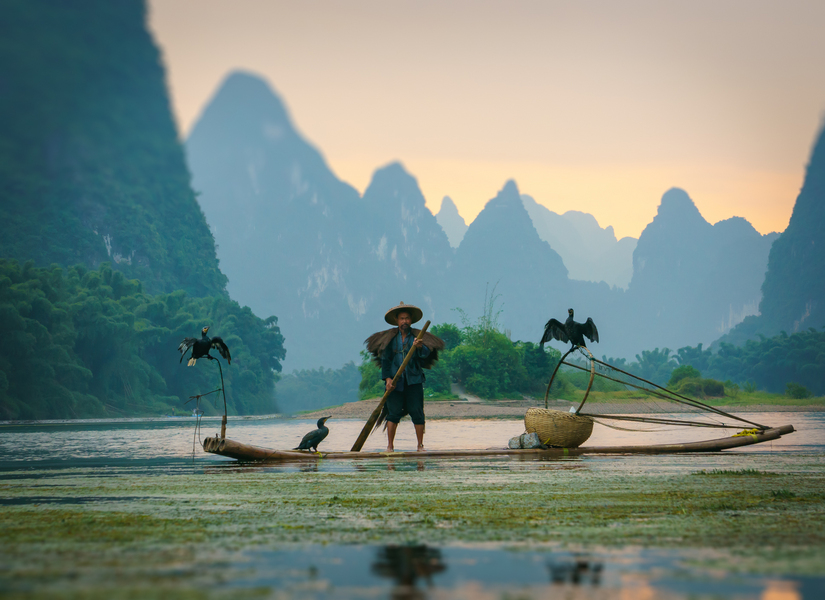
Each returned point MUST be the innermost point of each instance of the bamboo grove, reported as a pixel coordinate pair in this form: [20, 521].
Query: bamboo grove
[90, 343]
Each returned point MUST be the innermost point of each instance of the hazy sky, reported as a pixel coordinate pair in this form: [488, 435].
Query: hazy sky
[592, 106]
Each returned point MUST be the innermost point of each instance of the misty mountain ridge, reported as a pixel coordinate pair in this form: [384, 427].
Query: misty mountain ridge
[96, 190]
[687, 271]
[297, 242]
[278, 212]
[589, 252]
[451, 222]
[502, 248]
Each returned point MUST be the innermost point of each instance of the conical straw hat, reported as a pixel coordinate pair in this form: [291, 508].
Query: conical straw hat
[392, 314]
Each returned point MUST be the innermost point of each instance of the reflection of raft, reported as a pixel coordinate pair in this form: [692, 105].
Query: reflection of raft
[245, 452]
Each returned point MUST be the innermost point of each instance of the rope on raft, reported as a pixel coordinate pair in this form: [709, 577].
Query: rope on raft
[196, 437]
[660, 392]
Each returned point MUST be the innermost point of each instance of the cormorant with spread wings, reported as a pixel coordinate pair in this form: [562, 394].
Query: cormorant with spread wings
[570, 331]
[201, 347]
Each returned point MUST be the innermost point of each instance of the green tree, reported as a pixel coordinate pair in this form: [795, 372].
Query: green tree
[490, 367]
[371, 383]
[682, 372]
[449, 333]
[539, 365]
[655, 365]
[795, 390]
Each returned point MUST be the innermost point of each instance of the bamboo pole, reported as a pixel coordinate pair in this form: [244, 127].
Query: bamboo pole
[553, 376]
[592, 375]
[223, 389]
[365, 432]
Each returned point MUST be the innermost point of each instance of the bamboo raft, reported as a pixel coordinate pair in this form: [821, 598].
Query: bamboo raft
[247, 453]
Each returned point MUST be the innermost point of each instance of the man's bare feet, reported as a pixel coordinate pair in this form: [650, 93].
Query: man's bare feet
[390, 449]
[421, 448]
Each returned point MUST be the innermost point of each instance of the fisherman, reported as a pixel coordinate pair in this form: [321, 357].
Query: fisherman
[390, 347]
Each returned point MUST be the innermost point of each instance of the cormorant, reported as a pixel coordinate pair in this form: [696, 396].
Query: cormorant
[315, 437]
[571, 331]
[200, 348]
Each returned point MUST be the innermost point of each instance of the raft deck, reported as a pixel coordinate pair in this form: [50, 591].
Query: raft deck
[246, 452]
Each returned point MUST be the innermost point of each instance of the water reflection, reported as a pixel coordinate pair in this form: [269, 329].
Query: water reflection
[418, 465]
[422, 571]
[406, 565]
[578, 569]
[781, 590]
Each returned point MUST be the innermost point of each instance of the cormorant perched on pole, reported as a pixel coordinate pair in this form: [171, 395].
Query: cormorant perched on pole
[201, 347]
[571, 331]
[313, 438]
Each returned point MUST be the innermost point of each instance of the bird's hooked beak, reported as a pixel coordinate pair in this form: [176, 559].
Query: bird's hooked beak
[325, 418]
[205, 329]
[570, 311]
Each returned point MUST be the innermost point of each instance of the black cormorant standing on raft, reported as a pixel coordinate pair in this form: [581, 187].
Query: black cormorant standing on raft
[571, 331]
[313, 438]
[201, 347]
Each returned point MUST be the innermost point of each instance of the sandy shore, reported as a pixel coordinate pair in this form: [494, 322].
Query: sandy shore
[515, 409]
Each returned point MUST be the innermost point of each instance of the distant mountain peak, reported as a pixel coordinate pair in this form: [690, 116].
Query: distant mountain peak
[263, 115]
[394, 172]
[736, 226]
[397, 186]
[504, 214]
[451, 221]
[677, 204]
[253, 89]
[509, 194]
[448, 207]
[589, 252]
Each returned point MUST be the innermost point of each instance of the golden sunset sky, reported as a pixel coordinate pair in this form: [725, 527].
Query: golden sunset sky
[594, 106]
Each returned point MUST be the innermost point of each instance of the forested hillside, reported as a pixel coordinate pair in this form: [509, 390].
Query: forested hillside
[91, 169]
[82, 343]
[794, 288]
[119, 264]
[769, 363]
[793, 292]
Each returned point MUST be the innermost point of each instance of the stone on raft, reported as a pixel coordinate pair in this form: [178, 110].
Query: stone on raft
[525, 440]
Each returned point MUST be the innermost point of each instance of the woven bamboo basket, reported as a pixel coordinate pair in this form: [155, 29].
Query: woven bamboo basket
[558, 429]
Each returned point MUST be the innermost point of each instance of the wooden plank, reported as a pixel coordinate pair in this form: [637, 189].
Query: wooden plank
[246, 452]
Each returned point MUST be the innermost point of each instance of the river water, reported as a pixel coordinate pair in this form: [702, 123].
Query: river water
[124, 447]
[158, 442]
